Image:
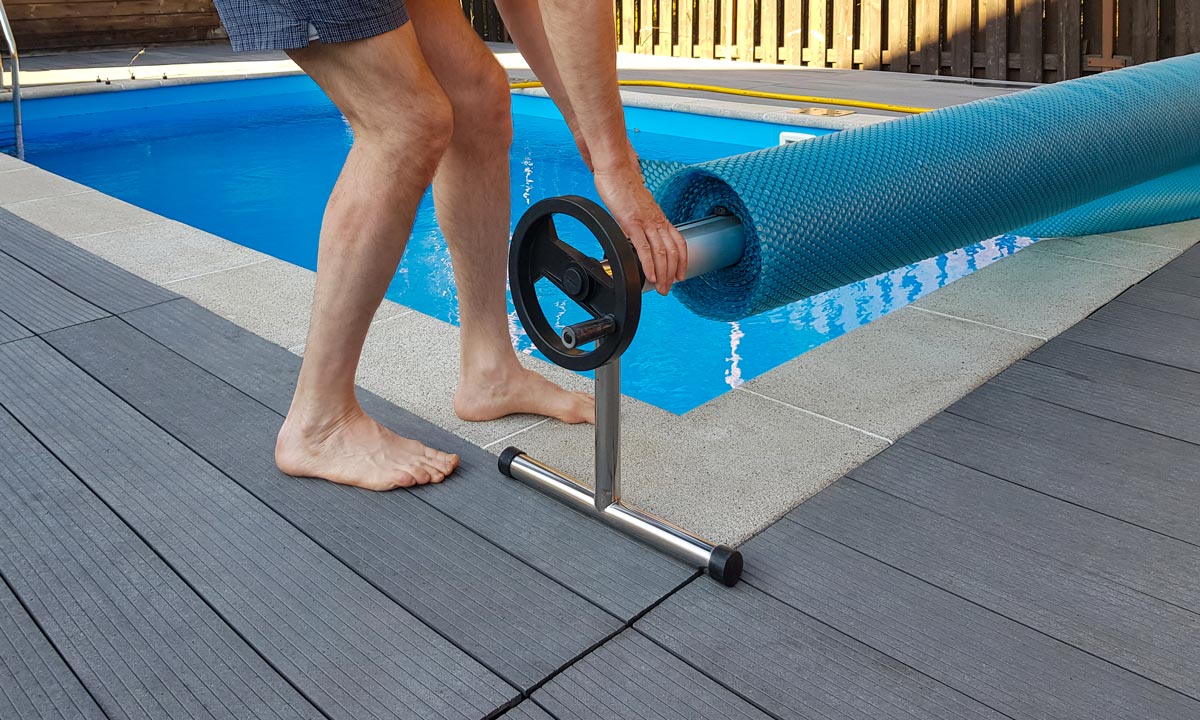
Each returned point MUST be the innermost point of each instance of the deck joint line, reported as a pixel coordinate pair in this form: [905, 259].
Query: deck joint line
[877, 436]
[48, 197]
[1088, 260]
[214, 272]
[512, 435]
[978, 322]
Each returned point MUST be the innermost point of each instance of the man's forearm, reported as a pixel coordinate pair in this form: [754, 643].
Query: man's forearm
[582, 38]
[523, 18]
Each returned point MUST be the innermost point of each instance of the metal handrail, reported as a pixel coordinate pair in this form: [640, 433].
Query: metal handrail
[16, 78]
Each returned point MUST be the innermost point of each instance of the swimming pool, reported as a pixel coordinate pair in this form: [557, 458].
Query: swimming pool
[253, 161]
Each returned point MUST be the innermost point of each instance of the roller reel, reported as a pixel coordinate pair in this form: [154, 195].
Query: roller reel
[610, 290]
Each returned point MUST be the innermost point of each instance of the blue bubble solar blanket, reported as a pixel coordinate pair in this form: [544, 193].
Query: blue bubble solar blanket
[1099, 154]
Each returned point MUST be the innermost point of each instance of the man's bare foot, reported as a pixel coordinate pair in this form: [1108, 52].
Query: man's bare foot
[515, 390]
[355, 450]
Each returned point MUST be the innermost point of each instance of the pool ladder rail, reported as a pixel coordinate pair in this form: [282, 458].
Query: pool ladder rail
[11, 42]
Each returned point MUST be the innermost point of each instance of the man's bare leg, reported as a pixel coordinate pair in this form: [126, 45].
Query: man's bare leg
[402, 125]
[472, 193]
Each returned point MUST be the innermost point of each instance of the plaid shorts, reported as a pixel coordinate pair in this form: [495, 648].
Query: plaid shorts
[290, 24]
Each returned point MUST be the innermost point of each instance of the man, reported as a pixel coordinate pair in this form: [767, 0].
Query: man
[428, 102]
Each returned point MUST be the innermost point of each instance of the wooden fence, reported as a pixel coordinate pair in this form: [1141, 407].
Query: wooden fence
[58, 24]
[1030, 40]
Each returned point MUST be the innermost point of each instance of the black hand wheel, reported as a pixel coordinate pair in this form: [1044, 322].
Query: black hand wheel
[613, 300]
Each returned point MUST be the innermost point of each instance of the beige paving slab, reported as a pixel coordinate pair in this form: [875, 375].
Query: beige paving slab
[167, 251]
[21, 184]
[413, 361]
[724, 470]
[85, 213]
[271, 298]
[1178, 235]
[894, 373]
[1110, 250]
[1040, 294]
[9, 163]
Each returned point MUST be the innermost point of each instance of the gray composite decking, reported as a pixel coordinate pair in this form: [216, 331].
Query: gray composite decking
[1031, 552]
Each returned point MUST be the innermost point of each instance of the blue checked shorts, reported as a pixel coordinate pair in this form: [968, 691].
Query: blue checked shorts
[290, 24]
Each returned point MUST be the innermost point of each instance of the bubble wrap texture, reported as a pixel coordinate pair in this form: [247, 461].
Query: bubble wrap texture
[836, 209]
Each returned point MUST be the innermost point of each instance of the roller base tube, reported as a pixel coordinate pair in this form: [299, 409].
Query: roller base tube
[723, 563]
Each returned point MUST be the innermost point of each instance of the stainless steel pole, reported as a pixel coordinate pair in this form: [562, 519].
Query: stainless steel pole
[11, 41]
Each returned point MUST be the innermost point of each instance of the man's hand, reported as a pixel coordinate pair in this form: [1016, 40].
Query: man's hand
[659, 245]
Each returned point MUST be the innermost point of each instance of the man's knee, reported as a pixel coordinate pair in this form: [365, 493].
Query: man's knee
[416, 126]
[483, 111]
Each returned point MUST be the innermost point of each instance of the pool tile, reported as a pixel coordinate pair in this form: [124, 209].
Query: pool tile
[413, 361]
[1035, 293]
[31, 183]
[168, 251]
[1178, 235]
[724, 470]
[1110, 250]
[85, 213]
[889, 376]
[271, 298]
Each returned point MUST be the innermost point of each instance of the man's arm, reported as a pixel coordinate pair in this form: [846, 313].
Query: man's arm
[523, 18]
[581, 38]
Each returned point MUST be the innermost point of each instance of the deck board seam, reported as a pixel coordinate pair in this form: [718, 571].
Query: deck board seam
[49, 640]
[293, 525]
[157, 554]
[983, 607]
[987, 534]
[75, 294]
[750, 582]
[1039, 491]
[1031, 357]
[625, 625]
[1006, 388]
[416, 496]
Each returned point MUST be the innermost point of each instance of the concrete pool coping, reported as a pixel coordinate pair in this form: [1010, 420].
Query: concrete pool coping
[726, 469]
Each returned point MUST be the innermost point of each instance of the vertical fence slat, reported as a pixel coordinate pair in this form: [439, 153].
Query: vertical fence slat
[793, 32]
[1092, 27]
[745, 30]
[687, 15]
[1070, 37]
[1187, 27]
[665, 43]
[958, 35]
[871, 23]
[770, 31]
[1124, 41]
[628, 26]
[706, 22]
[899, 25]
[478, 20]
[727, 42]
[818, 40]
[843, 34]
[993, 15]
[1145, 29]
[645, 27]
[928, 30]
[1031, 39]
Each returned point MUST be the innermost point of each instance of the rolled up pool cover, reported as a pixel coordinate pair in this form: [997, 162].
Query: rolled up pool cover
[840, 208]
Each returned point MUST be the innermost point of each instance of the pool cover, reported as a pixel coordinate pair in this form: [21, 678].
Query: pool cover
[1098, 154]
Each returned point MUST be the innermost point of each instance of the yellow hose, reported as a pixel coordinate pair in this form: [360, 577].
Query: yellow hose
[756, 94]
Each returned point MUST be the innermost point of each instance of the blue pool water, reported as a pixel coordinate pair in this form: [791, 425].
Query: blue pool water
[253, 161]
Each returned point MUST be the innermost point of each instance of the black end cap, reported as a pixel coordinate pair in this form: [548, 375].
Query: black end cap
[725, 565]
[510, 453]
